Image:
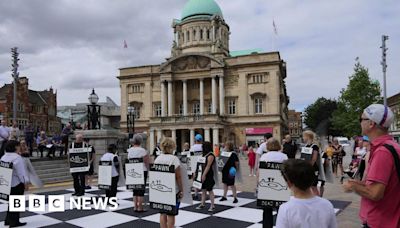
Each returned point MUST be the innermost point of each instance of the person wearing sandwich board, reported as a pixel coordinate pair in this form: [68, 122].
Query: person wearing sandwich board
[109, 171]
[78, 157]
[168, 185]
[14, 179]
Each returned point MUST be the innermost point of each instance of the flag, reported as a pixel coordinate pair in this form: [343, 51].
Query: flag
[125, 44]
[275, 29]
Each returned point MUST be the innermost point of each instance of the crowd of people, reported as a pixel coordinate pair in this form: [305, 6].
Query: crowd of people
[374, 172]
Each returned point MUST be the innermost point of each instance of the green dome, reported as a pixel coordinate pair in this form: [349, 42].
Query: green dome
[201, 8]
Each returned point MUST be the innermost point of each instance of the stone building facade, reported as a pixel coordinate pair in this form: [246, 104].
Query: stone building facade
[394, 104]
[295, 125]
[37, 107]
[204, 88]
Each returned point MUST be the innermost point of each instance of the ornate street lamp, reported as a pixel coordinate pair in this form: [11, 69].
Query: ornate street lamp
[93, 113]
[130, 117]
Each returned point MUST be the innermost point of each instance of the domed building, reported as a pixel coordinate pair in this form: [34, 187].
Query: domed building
[205, 88]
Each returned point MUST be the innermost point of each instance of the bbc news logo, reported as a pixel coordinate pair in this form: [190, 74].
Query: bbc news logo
[58, 203]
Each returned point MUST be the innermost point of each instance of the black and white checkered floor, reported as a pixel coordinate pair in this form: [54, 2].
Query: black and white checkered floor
[243, 214]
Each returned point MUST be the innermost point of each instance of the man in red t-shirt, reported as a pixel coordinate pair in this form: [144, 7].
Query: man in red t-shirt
[380, 191]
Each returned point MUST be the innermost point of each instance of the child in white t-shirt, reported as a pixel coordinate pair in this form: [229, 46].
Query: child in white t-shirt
[304, 209]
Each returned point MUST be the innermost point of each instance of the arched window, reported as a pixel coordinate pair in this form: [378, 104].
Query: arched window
[194, 34]
[201, 34]
[208, 34]
[187, 36]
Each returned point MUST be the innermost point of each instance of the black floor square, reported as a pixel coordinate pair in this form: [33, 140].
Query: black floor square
[131, 212]
[73, 214]
[138, 223]
[61, 225]
[217, 222]
[247, 195]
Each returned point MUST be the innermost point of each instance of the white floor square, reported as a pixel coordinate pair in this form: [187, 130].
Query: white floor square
[123, 204]
[105, 219]
[242, 214]
[3, 207]
[229, 202]
[37, 221]
[184, 217]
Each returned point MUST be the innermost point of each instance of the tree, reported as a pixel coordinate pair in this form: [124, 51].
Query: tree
[318, 116]
[359, 94]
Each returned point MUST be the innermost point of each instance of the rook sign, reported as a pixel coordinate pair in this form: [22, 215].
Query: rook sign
[197, 183]
[272, 187]
[79, 159]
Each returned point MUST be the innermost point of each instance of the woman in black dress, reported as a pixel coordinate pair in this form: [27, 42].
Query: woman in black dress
[227, 179]
[207, 178]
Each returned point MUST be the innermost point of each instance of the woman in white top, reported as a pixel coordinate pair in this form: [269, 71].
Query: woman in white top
[167, 158]
[137, 151]
[113, 158]
[274, 154]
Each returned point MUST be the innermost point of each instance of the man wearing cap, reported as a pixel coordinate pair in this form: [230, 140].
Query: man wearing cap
[197, 150]
[380, 201]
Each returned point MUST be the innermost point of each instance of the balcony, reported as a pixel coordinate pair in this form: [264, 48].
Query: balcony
[187, 119]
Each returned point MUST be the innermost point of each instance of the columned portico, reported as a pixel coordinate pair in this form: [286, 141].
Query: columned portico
[159, 136]
[163, 97]
[207, 134]
[221, 96]
[215, 136]
[184, 92]
[214, 95]
[151, 140]
[201, 96]
[191, 137]
[170, 99]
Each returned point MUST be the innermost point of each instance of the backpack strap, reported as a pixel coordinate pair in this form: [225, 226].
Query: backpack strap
[395, 157]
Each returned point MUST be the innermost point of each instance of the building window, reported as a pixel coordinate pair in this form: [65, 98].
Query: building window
[157, 110]
[136, 88]
[194, 34]
[209, 107]
[187, 36]
[20, 107]
[231, 106]
[195, 84]
[196, 108]
[258, 105]
[136, 112]
[258, 78]
[208, 34]
[201, 34]
[180, 110]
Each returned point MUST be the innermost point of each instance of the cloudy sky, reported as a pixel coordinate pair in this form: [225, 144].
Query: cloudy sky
[74, 45]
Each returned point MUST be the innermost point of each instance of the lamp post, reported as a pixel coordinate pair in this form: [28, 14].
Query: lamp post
[93, 112]
[130, 121]
[15, 74]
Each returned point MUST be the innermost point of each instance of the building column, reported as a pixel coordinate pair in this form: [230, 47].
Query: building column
[173, 135]
[159, 136]
[163, 96]
[221, 96]
[215, 136]
[207, 134]
[170, 99]
[214, 94]
[201, 96]
[151, 140]
[191, 137]
[184, 97]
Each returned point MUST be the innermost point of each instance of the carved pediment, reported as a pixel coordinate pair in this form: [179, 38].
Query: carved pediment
[190, 62]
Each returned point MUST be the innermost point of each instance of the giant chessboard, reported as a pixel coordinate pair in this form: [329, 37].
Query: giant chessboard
[245, 213]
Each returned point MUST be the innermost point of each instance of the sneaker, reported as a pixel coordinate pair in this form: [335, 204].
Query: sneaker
[223, 199]
[254, 175]
[235, 200]
[211, 209]
[250, 175]
[200, 207]
[88, 187]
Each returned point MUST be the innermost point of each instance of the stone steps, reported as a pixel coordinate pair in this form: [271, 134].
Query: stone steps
[52, 170]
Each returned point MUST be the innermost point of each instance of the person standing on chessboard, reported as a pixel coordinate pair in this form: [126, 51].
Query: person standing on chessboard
[19, 181]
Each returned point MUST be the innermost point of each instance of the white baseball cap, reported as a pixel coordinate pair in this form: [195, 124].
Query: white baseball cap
[380, 114]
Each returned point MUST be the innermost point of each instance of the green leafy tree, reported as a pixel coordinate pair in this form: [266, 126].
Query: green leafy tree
[359, 94]
[318, 116]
